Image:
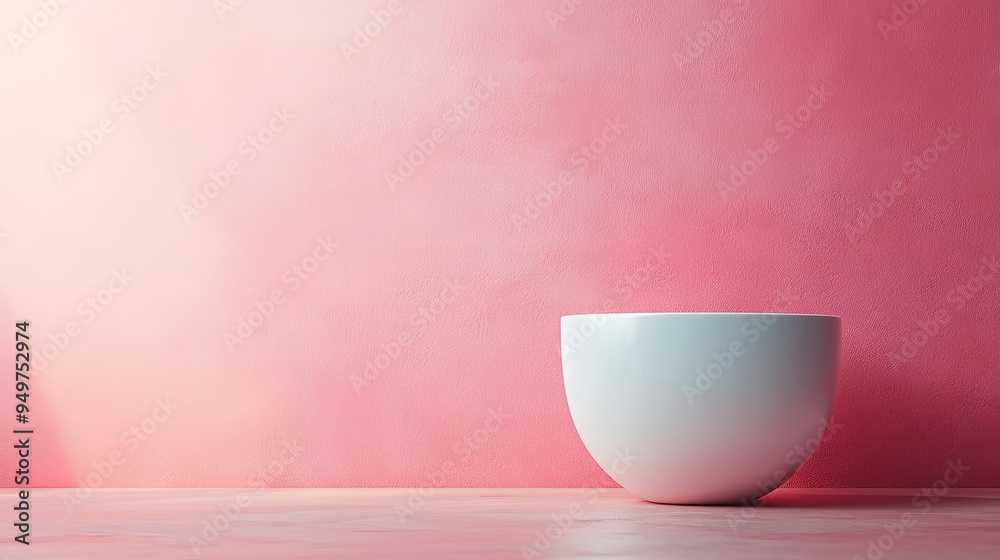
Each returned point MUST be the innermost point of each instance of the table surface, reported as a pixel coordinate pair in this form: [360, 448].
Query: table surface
[501, 523]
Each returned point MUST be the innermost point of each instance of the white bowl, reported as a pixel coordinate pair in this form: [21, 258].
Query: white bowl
[700, 408]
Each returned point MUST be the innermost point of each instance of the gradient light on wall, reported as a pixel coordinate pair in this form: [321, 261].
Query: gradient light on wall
[348, 229]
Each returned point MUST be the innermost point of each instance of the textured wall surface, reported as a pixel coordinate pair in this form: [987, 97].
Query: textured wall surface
[328, 243]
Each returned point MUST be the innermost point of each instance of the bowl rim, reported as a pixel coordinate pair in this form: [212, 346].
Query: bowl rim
[702, 313]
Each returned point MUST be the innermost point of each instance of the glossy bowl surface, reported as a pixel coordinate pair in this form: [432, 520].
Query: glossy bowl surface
[700, 408]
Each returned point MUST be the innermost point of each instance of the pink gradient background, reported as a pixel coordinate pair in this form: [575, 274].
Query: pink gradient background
[496, 346]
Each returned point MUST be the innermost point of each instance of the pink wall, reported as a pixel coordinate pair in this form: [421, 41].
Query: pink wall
[449, 281]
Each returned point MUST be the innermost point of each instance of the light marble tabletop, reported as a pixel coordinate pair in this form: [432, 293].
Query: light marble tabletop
[112, 524]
